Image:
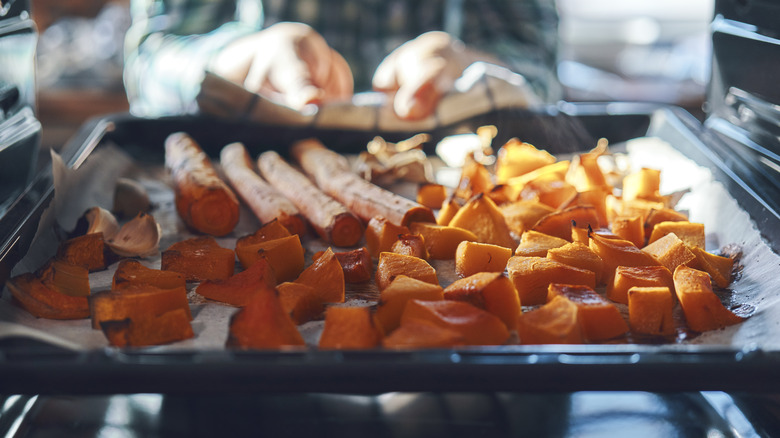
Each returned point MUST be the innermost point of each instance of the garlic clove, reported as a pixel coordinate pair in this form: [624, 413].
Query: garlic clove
[100, 220]
[130, 198]
[140, 237]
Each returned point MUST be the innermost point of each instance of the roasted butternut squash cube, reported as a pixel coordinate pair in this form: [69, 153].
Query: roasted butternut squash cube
[393, 298]
[285, 255]
[474, 257]
[491, 291]
[599, 319]
[46, 302]
[474, 179]
[148, 329]
[447, 211]
[263, 324]
[630, 228]
[618, 252]
[560, 223]
[670, 251]
[627, 277]
[301, 301]
[650, 310]
[691, 233]
[391, 265]
[326, 276]
[537, 244]
[703, 309]
[355, 263]
[131, 271]
[557, 170]
[349, 328]
[88, 250]
[65, 278]
[553, 323]
[720, 268]
[412, 245]
[269, 231]
[632, 207]
[533, 275]
[516, 158]
[441, 241]
[481, 216]
[475, 325]
[236, 289]
[549, 190]
[520, 216]
[431, 195]
[586, 174]
[595, 197]
[381, 234]
[419, 333]
[199, 258]
[642, 184]
[662, 214]
[580, 256]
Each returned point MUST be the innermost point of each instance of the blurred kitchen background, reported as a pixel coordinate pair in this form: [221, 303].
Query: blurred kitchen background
[610, 50]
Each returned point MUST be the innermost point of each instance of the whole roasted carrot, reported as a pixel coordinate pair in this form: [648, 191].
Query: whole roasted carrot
[203, 201]
[263, 199]
[331, 219]
[333, 175]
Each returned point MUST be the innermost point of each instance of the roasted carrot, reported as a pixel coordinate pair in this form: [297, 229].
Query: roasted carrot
[333, 175]
[331, 219]
[203, 201]
[263, 199]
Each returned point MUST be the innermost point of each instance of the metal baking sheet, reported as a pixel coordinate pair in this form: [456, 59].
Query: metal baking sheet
[57, 356]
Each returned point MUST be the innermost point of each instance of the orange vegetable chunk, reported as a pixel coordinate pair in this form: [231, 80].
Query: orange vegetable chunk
[475, 179]
[627, 277]
[661, 214]
[149, 329]
[618, 252]
[447, 211]
[702, 308]
[45, 302]
[391, 265]
[516, 158]
[131, 271]
[268, 231]
[650, 310]
[477, 326]
[481, 216]
[670, 251]
[553, 323]
[548, 189]
[412, 245]
[349, 328]
[431, 195]
[642, 184]
[580, 256]
[559, 223]
[88, 250]
[441, 241]
[594, 197]
[393, 298]
[237, 289]
[199, 258]
[719, 267]
[537, 244]
[630, 228]
[520, 216]
[420, 333]
[356, 264]
[65, 278]
[533, 275]
[134, 300]
[285, 255]
[301, 301]
[326, 276]
[491, 291]
[599, 319]
[691, 233]
[474, 257]
[263, 324]
[381, 234]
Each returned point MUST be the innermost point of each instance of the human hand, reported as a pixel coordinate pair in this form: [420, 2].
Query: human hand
[288, 62]
[419, 72]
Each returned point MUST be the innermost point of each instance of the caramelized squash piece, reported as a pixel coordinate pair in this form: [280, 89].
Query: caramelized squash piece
[412, 245]
[662, 214]
[393, 298]
[549, 190]
[326, 276]
[420, 333]
[431, 195]
[595, 197]
[553, 323]
[269, 231]
[491, 291]
[533, 275]
[481, 216]
[65, 278]
[134, 300]
[691, 233]
[719, 267]
[580, 256]
[131, 271]
[516, 158]
[630, 228]
[642, 184]
[586, 174]
[618, 252]
[355, 263]
[441, 241]
[237, 289]
[474, 257]
[520, 216]
[263, 324]
[627, 277]
[670, 251]
[537, 244]
[560, 223]
[88, 250]
[475, 179]
[199, 258]
[381, 234]
[391, 265]
[148, 329]
[301, 301]
[285, 255]
[632, 207]
[650, 310]
[447, 212]
[349, 328]
[477, 326]
[555, 170]
[46, 302]
[702, 308]
[599, 319]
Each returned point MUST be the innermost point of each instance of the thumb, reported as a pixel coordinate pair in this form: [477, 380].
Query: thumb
[293, 79]
[420, 93]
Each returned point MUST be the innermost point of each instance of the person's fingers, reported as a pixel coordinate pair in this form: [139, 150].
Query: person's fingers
[386, 75]
[340, 84]
[419, 94]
